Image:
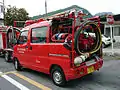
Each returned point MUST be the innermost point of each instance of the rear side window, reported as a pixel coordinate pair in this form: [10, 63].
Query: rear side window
[39, 35]
[23, 37]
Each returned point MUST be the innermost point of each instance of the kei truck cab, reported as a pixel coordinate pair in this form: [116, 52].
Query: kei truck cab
[62, 47]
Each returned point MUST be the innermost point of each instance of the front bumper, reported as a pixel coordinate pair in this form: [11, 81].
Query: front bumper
[83, 70]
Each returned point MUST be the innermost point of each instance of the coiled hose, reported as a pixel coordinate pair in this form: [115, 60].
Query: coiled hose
[98, 41]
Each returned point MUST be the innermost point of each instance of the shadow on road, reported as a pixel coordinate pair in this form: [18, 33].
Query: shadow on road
[70, 84]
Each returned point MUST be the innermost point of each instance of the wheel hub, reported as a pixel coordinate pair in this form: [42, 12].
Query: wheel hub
[57, 77]
[6, 56]
[16, 64]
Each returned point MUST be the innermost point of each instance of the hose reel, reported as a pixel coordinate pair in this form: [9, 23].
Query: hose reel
[88, 38]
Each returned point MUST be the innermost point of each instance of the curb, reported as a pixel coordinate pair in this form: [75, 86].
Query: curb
[111, 54]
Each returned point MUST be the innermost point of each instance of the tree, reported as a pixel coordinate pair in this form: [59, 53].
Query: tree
[15, 14]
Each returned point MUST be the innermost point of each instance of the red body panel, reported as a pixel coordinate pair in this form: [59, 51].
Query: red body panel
[74, 73]
[42, 56]
[4, 40]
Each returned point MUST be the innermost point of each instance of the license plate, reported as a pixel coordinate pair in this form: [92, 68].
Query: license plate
[90, 69]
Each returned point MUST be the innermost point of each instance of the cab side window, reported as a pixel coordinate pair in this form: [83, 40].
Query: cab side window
[23, 37]
[39, 35]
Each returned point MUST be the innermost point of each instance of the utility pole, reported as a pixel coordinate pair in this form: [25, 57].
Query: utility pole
[110, 20]
[46, 8]
[4, 11]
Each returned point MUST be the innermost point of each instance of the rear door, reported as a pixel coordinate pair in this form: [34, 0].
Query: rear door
[38, 51]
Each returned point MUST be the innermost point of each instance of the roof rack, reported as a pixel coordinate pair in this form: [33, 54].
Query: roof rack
[29, 22]
[68, 14]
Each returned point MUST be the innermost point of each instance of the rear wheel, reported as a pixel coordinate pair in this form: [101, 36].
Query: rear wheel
[58, 76]
[17, 65]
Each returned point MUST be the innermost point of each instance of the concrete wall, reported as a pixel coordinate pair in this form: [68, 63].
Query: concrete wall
[117, 38]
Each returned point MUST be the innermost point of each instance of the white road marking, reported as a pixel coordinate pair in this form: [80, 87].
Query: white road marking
[14, 82]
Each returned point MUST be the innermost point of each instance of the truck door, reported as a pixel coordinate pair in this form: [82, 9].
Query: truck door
[38, 50]
[22, 48]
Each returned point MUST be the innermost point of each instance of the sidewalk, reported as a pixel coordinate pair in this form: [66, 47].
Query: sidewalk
[116, 50]
[108, 52]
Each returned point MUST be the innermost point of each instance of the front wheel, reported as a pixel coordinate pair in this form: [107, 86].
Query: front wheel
[58, 76]
[7, 56]
[17, 65]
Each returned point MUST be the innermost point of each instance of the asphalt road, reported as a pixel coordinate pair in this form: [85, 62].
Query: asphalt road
[108, 78]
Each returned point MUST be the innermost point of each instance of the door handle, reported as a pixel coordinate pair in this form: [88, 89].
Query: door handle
[26, 46]
[30, 47]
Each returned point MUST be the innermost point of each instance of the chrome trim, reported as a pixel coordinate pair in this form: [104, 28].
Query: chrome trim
[59, 55]
[91, 62]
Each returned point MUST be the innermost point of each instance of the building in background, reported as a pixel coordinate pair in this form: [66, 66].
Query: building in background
[1, 14]
[115, 27]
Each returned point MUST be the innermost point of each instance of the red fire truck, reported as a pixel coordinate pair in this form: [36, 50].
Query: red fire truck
[8, 37]
[65, 47]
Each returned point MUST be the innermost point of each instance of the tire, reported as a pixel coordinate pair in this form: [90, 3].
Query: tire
[103, 45]
[7, 56]
[58, 76]
[17, 65]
